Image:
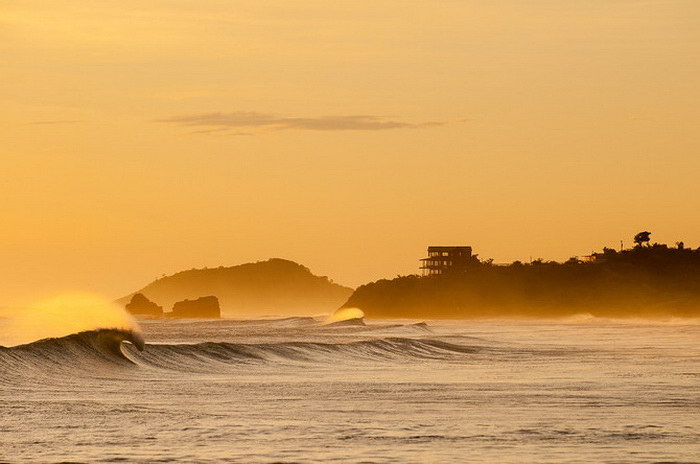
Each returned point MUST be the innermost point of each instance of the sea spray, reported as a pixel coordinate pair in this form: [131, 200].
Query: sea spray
[345, 314]
[64, 315]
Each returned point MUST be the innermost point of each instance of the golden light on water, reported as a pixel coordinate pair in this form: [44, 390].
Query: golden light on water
[63, 315]
[345, 314]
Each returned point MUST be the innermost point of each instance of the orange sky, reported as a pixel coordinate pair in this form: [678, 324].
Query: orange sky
[142, 138]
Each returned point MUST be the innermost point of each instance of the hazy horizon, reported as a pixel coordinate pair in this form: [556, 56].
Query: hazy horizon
[141, 140]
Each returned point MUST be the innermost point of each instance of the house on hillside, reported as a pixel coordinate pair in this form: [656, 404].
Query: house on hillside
[446, 259]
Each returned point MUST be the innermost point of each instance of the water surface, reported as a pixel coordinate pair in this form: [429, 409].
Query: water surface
[294, 390]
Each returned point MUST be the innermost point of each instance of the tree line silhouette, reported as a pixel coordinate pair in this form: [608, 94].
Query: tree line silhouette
[646, 280]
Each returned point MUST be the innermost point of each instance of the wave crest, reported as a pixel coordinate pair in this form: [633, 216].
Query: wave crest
[214, 355]
[94, 352]
[88, 351]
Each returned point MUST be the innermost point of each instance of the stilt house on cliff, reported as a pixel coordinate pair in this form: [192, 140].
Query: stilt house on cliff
[446, 259]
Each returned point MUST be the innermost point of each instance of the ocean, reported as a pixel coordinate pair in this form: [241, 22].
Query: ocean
[294, 390]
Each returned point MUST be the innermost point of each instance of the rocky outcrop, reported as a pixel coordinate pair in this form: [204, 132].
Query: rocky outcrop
[204, 307]
[141, 305]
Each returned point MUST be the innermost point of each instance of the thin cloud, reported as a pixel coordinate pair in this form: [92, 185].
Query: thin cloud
[251, 119]
[45, 123]
[221, 132]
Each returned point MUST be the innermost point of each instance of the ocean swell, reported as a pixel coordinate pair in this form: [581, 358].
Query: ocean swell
[93, 351]
[86, 351]
[212, 354]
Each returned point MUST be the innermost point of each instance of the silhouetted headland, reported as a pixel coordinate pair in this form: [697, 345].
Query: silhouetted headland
[275, 286]
[645, 281]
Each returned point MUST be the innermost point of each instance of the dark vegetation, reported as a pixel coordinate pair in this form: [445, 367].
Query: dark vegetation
[645, 281]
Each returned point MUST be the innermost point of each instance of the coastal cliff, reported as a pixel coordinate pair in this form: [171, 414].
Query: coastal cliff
[646, 281]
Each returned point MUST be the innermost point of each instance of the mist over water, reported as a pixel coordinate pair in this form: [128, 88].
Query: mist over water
[345, 314]
[60, 316]
[298, 390]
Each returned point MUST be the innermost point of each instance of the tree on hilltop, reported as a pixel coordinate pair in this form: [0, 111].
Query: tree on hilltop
[642, 238]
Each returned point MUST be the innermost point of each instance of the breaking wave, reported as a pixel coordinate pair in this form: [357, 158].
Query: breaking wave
[203, 355]
[88, 351]
[92, 351]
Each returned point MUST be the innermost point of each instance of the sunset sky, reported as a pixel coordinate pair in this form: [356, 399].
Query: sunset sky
[142, 138]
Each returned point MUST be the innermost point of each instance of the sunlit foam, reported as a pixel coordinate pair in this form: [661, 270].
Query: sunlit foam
[63, 315]
[345, 314]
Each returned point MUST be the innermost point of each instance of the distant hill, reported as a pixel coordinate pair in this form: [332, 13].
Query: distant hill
[646, 281]
[272, 287]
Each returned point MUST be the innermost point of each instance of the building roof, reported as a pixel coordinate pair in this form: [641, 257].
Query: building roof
[448, 248]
